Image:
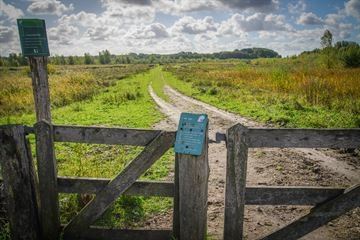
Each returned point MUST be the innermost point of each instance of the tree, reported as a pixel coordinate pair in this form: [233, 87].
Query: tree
[88, 59]
[351, 56]
[127, 60]
[71, 60]
[345, 44]
[12, 60]
[326, 39]
[328, 51]
[62, 60]
[104, 57]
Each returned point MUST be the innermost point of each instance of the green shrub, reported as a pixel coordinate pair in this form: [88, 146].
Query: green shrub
[351, 57]
[213, 91]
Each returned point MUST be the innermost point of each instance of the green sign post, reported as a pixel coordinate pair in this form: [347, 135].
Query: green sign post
[33, 37]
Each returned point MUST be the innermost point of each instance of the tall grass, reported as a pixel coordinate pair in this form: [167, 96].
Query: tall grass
[67, 85]
[277, 89]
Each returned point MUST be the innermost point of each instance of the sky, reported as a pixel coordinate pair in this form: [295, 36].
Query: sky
[76, 27]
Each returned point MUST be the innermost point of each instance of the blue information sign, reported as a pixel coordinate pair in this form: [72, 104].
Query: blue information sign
[190, 136]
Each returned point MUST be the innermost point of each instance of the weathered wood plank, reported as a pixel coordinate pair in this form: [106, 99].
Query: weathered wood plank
[39, 76]
[99, 233]
[236, 167]
[284, 195]
[19, 182]
[94, 185]
[193, 175]
[47, 174]
[97, 206]
[101, 135]
[176, 205]
[304, 138]
[319, 215]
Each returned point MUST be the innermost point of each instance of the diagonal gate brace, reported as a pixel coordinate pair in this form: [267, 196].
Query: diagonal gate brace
[320, 215]
[95, 208]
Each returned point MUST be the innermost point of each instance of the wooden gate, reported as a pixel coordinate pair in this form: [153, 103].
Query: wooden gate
[189, 189]
[329, 203]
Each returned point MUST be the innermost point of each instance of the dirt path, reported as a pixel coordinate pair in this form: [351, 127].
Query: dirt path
[266, 167]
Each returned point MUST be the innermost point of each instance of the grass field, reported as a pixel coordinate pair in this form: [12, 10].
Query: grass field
[123, 102]
[283, 92]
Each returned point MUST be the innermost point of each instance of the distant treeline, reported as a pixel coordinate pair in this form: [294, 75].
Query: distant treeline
[105, 57]
[342, 53]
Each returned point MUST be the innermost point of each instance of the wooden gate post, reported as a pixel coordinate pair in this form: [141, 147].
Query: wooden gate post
[236, 168]
[19, 182]
[191, 190]
[47, 173]
[39, 76]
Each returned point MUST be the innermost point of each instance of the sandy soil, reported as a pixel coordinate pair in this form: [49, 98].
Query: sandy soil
[268, 166]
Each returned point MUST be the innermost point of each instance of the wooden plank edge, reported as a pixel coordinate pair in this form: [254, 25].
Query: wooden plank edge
[103, 233]
[290, 195]
[304, 138]
[93, 185]
[104, 135]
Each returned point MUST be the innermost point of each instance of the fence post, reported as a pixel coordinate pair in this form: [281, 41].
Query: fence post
[47, 173]
[19, 183]
[191, 190]
[236, 167]
[39, 76]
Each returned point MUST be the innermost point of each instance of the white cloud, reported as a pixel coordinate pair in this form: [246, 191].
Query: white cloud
[48, 7]
[333, 18]
[299, 7]
[81, 18]
[257, 5]
[238, 24]
[178, 7]
[191, 25]
[152, 31]
[309, 19]
[99, 33]
[9, 12]
[352, 8]
[119, 13]
[7, 34]
[63, 34]
[137, 2]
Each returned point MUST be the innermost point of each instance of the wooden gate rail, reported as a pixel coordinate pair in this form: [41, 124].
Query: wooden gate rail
[329, 202]
[102, 135]
[94, 185]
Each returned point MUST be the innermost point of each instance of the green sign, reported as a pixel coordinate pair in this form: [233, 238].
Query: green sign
[33, 37]
[190, 136]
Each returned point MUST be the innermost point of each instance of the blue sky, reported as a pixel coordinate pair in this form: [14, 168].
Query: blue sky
[170, 26]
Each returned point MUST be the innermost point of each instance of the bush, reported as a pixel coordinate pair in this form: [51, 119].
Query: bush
[213, 91]
[351, 57]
